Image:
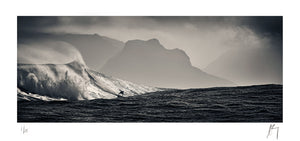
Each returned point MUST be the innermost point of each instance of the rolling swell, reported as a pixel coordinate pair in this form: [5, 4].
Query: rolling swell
[261, 103]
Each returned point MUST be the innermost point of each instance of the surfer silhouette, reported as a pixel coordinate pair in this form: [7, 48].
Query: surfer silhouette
[121, 93]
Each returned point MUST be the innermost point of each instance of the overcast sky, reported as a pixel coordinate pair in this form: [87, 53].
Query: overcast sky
[204, 39]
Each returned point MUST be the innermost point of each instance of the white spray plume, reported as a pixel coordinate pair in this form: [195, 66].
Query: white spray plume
[47, 52]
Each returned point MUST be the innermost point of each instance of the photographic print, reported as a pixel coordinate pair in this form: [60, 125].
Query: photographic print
[149, 69]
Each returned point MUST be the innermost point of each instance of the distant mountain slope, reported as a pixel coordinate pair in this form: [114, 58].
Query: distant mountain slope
[95, 49]
[248, 66]
[72, 81]
[148, 62]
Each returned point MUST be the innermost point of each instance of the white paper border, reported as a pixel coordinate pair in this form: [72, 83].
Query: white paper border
[11, 130]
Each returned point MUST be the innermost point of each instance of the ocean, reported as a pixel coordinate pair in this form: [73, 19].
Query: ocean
[260, 103]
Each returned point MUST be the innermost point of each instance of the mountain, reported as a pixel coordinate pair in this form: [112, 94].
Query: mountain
[248, 66]
[95, 49]
[72, 81]
[149, 63]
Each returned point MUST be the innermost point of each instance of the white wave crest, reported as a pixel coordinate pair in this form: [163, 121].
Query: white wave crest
[74, 81]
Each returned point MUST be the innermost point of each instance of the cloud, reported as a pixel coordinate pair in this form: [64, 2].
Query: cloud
[203, 38]
[260, 24]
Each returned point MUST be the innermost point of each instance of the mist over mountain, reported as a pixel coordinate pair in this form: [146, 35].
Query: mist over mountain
[95, 49]
[203, 38]
[148, 62]
[248, 66]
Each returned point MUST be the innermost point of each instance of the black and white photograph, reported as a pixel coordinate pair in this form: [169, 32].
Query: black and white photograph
[149, 70]
[100, 69]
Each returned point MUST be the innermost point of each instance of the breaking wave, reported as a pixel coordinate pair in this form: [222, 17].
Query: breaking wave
[74, 81]
[55, 70]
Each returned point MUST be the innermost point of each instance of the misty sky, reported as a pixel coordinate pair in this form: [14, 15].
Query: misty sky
[204, 39]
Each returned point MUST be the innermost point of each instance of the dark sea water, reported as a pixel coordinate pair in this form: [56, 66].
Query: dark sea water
[262, 103]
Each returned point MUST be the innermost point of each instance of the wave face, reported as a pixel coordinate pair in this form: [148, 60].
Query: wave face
[24, 96]
[72, 81]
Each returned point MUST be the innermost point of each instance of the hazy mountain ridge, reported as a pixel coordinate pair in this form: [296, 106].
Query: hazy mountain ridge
[248, 66]
[148, 62]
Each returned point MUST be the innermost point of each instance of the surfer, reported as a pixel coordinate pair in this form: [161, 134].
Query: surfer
[121, 93]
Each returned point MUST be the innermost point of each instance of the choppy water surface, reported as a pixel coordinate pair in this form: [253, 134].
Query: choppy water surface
[232, 104]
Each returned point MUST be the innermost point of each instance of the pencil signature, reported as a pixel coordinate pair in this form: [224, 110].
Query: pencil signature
[271, 128]
[24, 129]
